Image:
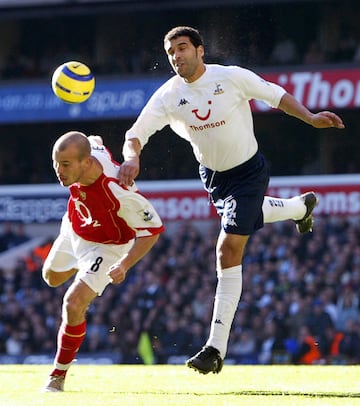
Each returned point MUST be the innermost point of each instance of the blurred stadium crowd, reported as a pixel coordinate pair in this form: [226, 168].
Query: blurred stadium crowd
[300, 300]
[254, 36]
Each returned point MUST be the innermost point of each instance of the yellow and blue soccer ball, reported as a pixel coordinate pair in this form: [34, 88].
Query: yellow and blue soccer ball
[73, 82]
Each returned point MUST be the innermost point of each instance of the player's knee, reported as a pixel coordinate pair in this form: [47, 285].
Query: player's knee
[74, 307]
[46, 275]
[54, 279]
[230, 250]
[70, 308]
[51, 278]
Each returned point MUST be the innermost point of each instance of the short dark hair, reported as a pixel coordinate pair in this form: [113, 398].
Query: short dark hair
[184, 31]
[77, 138]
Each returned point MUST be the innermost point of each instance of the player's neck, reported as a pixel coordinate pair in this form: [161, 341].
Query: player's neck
[92, 174]
[199, 72]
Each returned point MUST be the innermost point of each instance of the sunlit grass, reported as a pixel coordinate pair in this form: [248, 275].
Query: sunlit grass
[177, 385]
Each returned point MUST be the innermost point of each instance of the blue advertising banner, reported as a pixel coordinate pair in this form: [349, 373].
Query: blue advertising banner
[36, 102]
[22, 102]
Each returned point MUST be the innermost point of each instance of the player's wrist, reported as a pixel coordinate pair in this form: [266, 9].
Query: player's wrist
[131, 157]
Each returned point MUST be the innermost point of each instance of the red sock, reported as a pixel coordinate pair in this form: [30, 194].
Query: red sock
[69, 341]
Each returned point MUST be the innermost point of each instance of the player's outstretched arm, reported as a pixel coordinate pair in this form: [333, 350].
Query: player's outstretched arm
[141, 247]
[130, 168]
[323, 119]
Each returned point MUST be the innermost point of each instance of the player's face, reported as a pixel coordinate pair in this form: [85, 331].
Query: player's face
[68, 167]
[185, 59]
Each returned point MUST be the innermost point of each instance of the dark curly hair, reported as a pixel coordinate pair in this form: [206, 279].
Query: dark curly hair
[184, 31]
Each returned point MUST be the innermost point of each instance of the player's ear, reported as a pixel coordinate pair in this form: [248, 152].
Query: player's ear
[88, 160]
[201, 51]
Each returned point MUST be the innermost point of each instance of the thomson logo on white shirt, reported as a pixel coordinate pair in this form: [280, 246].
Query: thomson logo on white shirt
[207, 126]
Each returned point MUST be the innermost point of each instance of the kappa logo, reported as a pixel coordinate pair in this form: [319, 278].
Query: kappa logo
[182, 102]
[230, 222]
[276, 203]
[218, 321]
[229, 215]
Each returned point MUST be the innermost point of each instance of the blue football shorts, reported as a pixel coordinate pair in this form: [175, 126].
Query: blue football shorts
[238, 194]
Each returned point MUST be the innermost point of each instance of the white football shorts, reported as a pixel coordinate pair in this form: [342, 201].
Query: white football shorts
[92, 260]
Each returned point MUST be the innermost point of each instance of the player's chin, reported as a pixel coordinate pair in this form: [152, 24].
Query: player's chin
[64, 182]
[180, 71]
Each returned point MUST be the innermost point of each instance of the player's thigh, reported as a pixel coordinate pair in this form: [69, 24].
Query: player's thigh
[243, 202]
[95, 261]
[61, 256]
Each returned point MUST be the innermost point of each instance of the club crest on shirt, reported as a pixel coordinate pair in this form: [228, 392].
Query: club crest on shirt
[218, 89]
[82, 195]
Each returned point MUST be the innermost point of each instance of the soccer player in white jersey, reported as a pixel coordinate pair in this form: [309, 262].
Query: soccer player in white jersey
[105, 231]
[208, 105]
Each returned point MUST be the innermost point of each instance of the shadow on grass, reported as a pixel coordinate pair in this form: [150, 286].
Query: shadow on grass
[296, 393]
[349, 395]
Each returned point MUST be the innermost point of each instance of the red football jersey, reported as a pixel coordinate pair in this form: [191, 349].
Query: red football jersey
[106, 213]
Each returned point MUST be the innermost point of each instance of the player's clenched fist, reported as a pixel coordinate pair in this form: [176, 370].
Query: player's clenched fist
[116, 273]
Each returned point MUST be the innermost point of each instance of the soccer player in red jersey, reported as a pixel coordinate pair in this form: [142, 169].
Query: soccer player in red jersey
[106, 230]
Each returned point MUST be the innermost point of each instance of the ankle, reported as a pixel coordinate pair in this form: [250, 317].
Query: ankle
[58, 372]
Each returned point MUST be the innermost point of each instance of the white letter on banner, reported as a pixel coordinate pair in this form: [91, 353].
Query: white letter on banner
[342, 93]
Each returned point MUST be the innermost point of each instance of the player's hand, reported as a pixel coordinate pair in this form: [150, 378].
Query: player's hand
[116, 273]
[129, 170]
[326, 119]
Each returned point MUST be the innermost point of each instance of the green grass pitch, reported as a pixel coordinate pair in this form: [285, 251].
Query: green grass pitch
[123, 385]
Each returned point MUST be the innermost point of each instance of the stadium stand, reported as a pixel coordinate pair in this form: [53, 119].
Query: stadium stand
[169, 294]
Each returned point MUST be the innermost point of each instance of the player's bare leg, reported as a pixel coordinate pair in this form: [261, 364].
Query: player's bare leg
[54, 279]
[71, 333]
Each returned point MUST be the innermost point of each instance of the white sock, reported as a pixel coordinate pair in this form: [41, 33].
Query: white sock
[275, 209]
[62, 367]
[228, 292]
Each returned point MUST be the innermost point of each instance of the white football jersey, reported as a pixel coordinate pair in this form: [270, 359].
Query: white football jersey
[213, 114]
[103, 155]
[110, 166]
